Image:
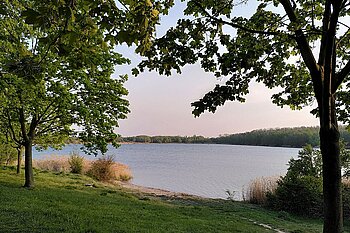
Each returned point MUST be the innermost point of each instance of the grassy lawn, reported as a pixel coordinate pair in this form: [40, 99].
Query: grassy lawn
[62, 203]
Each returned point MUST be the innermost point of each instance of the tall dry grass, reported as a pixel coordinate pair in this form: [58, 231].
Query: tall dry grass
[105, 169]
[257, 189]
[53, 163]
[346, 182]
[114, 170]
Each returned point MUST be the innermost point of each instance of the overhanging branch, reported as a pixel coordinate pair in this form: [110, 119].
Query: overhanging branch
[304, 49]
[238, 26]
[340, 77]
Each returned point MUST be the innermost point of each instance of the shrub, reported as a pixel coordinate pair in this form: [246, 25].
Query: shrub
[105, 169]
[121, 172]
[298, 195]
[101, 169]
[257, 190]
[76, 163]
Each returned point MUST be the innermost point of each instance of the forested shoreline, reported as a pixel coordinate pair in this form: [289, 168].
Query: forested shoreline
[278, 137]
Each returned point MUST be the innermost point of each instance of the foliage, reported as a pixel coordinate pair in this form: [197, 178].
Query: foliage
[56, 62]
[309, 162]
[8, 154]
[280, 137]
[298, 195]
[76, 163]
[166, 139]
[300, 190]
[299, 47]
[269, 47]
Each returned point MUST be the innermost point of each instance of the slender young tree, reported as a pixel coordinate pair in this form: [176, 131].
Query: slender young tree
[301, 46]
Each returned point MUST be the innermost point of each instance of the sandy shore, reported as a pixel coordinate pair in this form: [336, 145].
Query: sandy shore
[155, 192]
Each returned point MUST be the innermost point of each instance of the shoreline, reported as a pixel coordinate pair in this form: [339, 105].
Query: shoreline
[156, 192]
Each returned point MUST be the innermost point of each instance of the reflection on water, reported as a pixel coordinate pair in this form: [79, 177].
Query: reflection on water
[200, 169]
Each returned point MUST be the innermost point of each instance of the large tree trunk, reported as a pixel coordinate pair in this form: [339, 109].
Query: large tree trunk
[329, 139]
[28, 169]
[19, 159]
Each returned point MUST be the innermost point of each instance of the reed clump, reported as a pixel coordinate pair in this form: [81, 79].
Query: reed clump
[102, 169]
[52, 163]
[259, 188]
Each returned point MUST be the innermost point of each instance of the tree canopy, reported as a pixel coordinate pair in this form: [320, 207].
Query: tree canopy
[300, 47]
[274, 47]
[56, 64]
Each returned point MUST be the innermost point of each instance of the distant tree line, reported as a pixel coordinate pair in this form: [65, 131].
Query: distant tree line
[165, 139]
[280, 137]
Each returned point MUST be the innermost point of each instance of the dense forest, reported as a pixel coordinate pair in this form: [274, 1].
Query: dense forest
[285, 137]
[280, 137]
[165, 139]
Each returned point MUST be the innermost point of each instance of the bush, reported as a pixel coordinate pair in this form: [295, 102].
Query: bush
[105, 169]
[76, 163]
[298, 195]
[101, 169]
[121, 172]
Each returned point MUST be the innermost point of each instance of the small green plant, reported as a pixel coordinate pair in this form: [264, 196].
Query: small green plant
[76, 163]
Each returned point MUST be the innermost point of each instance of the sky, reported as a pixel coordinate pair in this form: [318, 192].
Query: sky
[161, 105]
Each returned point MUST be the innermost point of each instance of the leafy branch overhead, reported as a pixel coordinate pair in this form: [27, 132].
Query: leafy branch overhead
[299, 47]
[56, 61]
[274, 47]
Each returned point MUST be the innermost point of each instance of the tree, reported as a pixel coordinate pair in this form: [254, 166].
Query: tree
[301, 46]
[56, 62]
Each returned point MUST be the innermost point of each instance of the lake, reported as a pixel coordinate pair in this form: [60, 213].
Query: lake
[206, 170]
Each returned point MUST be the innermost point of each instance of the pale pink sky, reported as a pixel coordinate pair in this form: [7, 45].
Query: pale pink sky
[161, 105]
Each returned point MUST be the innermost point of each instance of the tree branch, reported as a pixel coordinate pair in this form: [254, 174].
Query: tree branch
[11, 128]
[340, 76]
[56, 39]
[33, 125]
[237, 26]
[23, 125]
[342, 37]
[301, 40]
[40, 117]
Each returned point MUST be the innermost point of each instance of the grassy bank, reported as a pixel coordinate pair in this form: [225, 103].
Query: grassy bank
[63, 203]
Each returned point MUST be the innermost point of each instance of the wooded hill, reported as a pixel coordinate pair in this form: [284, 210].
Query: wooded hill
[282, 137]
[279, 137]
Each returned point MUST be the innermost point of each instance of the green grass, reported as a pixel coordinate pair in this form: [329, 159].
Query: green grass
[62, 203]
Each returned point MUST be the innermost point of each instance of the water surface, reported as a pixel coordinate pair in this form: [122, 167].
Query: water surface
[206, 170]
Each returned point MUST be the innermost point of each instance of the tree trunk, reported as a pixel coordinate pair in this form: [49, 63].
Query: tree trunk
[19, 159]
[28, 169]
[329, 139]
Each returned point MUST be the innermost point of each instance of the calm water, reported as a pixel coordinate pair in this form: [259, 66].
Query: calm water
[200, 169]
